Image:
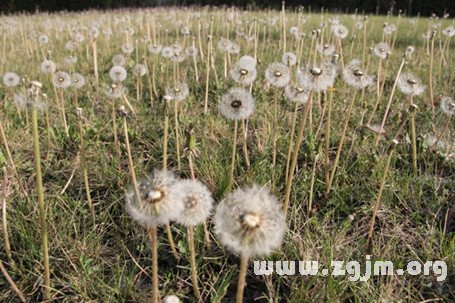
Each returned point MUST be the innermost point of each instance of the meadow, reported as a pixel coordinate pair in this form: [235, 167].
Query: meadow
[333, 131]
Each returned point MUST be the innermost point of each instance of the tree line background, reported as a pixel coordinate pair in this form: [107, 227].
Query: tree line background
[409, 7]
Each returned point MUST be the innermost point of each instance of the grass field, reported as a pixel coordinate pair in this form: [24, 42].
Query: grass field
[104, 256]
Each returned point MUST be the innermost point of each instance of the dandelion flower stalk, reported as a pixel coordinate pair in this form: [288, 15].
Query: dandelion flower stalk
[413, 133]
[242, 278]
[4, 221]
[342, 138]
[430, 81]
[297, 145]
[154, 247]
[392, 93]
[40, 192]
[233, 156]
[84, 161]
[377, 201]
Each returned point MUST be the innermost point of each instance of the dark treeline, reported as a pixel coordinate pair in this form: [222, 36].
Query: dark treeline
[409, 7]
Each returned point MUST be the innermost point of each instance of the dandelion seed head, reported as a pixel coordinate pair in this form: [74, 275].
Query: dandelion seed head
[409, 84]
[61, 80]
[340, 31]
[355, 77]
[277, 74]
[167, 52]
[77, 80]
[115, 91]
[289, 58]
[171, 299]
[381, 50]
[177, 92]
[192, 52]
[243, 73]
[70, 60]
[447, 106]
[158, 203]
[117, 73]
[250, 222]
[317, 77]
[127, 48]
[449, 31]
[43, 39]
[247, 62]
[140, 70]
[197, 201]
[296, 94]
[237, 104]
[11, 79]
[326, 49]
[48, 66]
[119, 60]
[155, 48]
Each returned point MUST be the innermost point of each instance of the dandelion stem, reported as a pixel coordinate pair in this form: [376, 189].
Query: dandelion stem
[4, 222]
[291, 141]
[197, 293]
[446, 126]
[242, 278]
[378, 198]
[41, 206]
[275, 127]
[392, 93]
[298, 142]
[84, 167]
[177, 140]
[154, 247]
[340, 144]
[413, 135]
[232, 168]
[245, 146]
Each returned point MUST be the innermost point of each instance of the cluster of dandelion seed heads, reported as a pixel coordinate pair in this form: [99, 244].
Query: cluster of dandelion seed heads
[250, 222]
[237, 104]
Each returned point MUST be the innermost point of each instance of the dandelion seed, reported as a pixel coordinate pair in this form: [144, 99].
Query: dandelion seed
[158, 203]
[277, 74]
[197, 201]
[237, 104]
[250, 222]
[11, 79]
[118, 73]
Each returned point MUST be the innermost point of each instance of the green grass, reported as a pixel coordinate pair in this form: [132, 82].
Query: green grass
[109, 260]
